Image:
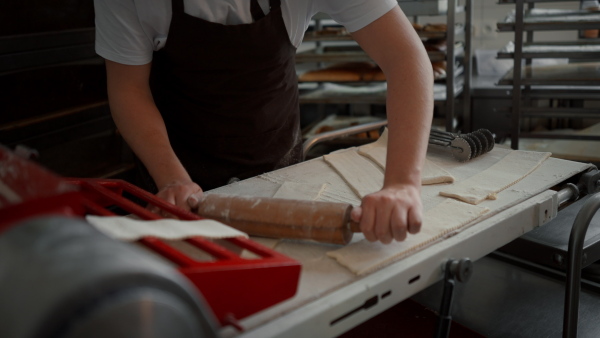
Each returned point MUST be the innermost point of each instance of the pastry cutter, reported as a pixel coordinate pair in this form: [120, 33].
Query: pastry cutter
[464, 146]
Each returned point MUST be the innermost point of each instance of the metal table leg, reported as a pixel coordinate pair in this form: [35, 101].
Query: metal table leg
[454, 270]
[575, 262]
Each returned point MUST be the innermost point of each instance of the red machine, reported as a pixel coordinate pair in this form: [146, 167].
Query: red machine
[233, 287]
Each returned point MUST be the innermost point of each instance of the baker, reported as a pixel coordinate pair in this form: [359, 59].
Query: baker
[206, 90]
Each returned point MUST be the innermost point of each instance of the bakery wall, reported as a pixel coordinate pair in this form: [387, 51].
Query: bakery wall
[53, 89]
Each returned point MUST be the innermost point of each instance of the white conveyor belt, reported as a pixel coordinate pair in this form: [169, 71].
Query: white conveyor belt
[331, 299]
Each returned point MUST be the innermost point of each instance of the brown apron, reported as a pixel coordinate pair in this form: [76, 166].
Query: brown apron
[228, 95]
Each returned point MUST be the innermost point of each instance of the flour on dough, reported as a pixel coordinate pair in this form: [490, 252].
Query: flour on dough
[486, 184]
[443, 220]
[377, 152]
[361, 174]
[300, 191]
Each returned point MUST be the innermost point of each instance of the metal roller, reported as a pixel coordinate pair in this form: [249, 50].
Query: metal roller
[59, 277]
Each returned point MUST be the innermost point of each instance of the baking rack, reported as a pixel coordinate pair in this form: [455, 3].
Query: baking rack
[569, 85]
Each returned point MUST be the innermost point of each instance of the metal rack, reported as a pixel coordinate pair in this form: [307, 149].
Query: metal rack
[574, 81]
[455, 85]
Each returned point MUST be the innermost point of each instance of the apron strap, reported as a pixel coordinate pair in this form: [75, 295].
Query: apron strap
[256, 10]
[274, 4]
[177, 6]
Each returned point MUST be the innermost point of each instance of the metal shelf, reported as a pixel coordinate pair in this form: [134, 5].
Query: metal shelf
[570, 49]
[330, 54]
[314, 37]
[326, 94]
[565, 92]
[578, 74]
[550, 26]
[548, 19]
[558, 112]
[418, 8]
[561, 136]
[501, 2]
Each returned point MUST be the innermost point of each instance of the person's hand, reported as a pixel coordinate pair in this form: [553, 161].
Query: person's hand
[390, 213]
[184, 194]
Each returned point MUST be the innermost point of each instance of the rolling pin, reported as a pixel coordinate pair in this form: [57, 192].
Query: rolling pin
[325, 222]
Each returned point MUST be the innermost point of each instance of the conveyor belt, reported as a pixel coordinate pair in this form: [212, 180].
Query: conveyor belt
[329, 295]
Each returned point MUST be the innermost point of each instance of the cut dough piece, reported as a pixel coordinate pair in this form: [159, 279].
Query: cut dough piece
[377, 152]
[486, 184]
[128, 229]
[360, 173]
[434, 174]
[300, 191]
[445, 219]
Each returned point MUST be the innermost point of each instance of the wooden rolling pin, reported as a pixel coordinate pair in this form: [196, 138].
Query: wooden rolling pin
[325, 222]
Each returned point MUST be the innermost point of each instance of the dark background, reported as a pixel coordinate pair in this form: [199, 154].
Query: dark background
[53, 89]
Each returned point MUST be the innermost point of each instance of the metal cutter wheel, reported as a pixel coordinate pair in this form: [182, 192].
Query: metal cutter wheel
[464, 146]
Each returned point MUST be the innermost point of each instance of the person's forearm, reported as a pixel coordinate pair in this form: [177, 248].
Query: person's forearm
[409, 113]
[141, 124]
[394, 45]
[146, 135]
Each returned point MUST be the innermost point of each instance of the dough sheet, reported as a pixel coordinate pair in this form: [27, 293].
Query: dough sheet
[505, 173]
[443, 220]
[300, 191]
[377, 152]
[129, 229]
[360, 173]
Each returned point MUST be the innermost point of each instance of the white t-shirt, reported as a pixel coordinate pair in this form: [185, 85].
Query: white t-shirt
[585, 4]
[129, 31]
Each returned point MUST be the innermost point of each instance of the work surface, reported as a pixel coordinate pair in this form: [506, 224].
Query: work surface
[328, 292]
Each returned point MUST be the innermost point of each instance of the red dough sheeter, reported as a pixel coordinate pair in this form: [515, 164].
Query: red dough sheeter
[74, 280]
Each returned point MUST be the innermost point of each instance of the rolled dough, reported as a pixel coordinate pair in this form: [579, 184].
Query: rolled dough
[377, 152]
[128, 229]
[486, 184]
[441, 221]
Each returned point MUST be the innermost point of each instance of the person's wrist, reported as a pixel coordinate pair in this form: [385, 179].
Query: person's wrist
[165, 182]
[407, 180]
